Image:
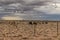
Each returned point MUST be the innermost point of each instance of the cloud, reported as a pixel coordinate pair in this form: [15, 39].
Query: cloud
[28, 2]
[32, 8]
[7, 2]
[11, 18]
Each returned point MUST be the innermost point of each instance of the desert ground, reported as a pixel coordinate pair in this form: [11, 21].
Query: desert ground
[29, 30]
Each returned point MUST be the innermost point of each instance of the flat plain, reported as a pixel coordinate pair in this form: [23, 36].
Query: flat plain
[29, 30]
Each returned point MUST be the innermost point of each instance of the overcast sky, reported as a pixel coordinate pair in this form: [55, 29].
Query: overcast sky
[46, 6]
[29, 7]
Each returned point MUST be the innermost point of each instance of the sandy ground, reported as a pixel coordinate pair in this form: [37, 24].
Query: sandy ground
[29, 30]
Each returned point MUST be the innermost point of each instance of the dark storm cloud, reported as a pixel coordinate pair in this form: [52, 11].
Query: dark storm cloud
[30, 5]
[6, 2]
[27, 4]
[38, 2]
[32, 2]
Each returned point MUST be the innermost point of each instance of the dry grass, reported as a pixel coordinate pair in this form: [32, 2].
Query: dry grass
[27, 30]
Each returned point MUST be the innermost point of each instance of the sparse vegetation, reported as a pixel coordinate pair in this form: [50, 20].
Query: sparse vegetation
[24, 30]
